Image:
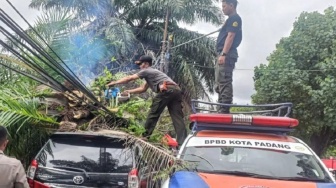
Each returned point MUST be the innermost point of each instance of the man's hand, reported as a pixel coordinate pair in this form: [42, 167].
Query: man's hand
[125, 93]
[111, 84]
[221, 60]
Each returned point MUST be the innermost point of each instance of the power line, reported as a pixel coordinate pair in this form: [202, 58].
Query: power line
[242, 69]
[24, 46]
[195, 39]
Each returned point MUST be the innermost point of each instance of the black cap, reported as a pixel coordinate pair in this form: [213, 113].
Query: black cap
[144, 58]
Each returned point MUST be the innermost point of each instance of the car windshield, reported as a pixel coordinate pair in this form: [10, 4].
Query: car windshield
[255, 162]
[86, 153]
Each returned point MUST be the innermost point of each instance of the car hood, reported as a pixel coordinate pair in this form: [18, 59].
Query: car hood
[184, 179]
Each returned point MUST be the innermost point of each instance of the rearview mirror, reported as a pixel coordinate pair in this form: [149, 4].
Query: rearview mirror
[227, 150]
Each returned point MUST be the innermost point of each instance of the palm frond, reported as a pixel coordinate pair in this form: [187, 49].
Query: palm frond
[199, 54]
[187, 11]
[52, 26]
[121, 34]
[160, 163]
[86, 10]
[15, 109]
[9, 59]
[192, 11]
[19, 67]
[190, 81]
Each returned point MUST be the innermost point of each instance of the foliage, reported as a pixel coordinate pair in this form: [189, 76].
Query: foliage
[17, 109]
[135, 27]
[26, 143]
[99, 84]
[330, 152]
[136, 112]
[88, 37]
[242, 109]
[20, 113]
[302, 70]
[158, 162]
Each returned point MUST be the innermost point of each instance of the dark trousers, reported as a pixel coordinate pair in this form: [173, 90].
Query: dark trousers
[223, 76]
[172, 98]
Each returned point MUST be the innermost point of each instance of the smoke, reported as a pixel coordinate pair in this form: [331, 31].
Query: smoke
[87, 56]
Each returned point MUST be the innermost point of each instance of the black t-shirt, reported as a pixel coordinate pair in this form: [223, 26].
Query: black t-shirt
[232, 24]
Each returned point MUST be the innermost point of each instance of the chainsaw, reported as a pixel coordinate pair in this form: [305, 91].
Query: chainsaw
[114, 96]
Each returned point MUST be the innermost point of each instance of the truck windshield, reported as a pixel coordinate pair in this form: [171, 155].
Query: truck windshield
[256, 162]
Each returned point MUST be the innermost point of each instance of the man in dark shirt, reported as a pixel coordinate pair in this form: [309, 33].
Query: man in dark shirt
[228, 40]
[168, 94]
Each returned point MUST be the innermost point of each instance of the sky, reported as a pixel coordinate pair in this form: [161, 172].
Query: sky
[265, 22]
[22, 6]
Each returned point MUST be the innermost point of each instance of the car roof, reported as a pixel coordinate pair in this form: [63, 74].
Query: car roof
[101, 132]
[246, 135]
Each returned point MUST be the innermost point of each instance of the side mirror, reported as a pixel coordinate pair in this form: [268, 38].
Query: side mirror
[169, 141]
[191, 125]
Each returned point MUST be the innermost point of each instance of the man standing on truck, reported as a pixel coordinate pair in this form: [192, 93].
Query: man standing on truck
[12, 172]
[168, 94]
[228, 40]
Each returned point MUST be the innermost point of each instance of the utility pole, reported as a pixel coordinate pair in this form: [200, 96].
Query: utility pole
[164, 43]
[168, 53]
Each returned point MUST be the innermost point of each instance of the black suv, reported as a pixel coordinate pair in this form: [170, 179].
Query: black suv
[86, 159]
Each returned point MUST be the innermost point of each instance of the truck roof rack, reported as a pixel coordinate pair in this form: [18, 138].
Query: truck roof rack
[271, 118]
[279, 109]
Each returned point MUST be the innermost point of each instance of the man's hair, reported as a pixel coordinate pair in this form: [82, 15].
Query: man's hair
[234, 2]
[145, 58]
[3, 134]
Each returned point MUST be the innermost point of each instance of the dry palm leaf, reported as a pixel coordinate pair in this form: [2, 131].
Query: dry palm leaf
[160, 162]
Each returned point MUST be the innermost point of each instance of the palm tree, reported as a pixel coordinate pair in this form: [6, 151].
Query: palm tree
[131, 22]
[135, 26]
[119, 29]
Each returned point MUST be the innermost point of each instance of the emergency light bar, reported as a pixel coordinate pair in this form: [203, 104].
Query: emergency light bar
[245, 123]
[233, 119]
[270, 118]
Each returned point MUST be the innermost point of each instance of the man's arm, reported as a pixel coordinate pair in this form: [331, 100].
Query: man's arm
[228, 42]
[140, 89]
[20, 178]
[124, 80]
[227, 45]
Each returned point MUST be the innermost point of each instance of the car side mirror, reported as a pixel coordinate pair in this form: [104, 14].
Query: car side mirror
[191, 125]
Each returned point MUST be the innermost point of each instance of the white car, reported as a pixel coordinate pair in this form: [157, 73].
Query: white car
[247, 151]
